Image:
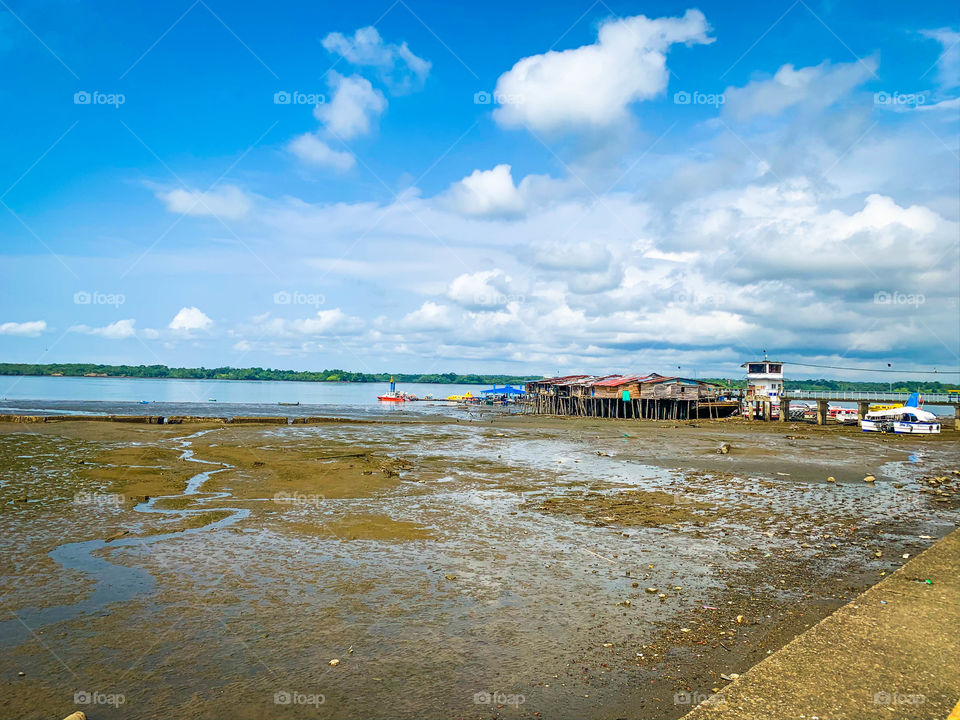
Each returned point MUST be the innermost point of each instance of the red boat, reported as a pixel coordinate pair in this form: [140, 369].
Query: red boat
[391, 397]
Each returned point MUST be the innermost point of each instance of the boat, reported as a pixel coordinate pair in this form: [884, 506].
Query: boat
[289, 404]
[211, 399]
[392, 397]
[909, 419]
[842, 415]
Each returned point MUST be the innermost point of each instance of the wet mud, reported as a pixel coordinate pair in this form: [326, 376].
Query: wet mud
[490, 567]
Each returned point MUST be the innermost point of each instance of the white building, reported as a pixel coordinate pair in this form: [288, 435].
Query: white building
[764, 378]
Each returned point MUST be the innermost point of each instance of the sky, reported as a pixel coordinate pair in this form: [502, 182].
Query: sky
[419, 186]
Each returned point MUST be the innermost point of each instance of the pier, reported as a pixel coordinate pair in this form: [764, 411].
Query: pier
[762, 404]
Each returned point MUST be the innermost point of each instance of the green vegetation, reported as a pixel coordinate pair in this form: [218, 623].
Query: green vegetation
[893, 385]
[228, 373]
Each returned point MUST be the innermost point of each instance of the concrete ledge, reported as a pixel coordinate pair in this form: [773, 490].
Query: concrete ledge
[891, 654]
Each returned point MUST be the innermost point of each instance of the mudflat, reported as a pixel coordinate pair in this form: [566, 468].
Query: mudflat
[497, 566]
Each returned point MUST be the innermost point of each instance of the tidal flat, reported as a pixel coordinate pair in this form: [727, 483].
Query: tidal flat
[496, 566]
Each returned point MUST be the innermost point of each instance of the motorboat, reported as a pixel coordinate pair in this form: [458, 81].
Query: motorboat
[909, 419]
[842, 415]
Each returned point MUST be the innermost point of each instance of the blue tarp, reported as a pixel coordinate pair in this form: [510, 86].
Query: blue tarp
[507, 390]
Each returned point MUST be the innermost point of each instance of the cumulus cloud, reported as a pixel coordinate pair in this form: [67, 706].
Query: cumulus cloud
[119, 330]
[808, 88]
[189, 319]
[325, 322]
[31, 328]
[354, 107]
[429, 316]
[484, 290]
[399, 68]
[487, 193]
[591, 86]
[227, 201]
[314, 151]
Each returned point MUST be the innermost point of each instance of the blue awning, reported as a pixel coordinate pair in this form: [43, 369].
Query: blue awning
[506, 390]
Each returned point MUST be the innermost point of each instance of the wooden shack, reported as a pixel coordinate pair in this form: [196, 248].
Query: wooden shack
[620, 396]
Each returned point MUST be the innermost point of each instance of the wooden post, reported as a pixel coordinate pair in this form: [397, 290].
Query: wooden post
[784, 409]
[862, 409]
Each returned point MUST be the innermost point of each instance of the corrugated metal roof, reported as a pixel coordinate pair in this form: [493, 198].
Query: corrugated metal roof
[559, 380]
[616, 380]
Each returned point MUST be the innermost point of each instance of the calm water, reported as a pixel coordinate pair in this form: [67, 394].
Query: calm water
[213, 397]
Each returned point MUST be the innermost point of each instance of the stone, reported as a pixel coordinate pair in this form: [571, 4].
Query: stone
[831, 479]
[334, 662]
[869, 478]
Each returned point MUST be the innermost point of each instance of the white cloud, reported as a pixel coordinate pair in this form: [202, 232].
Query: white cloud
[227, 201]
[429, 316]
[398, 66]
[333, 322]
[190, 318]
[314, 151]
[591, 86]
[354, 106]
[484, 290]
[119, 330]
[31, 328]
[487, 193]
[948, 62]
[809, 88]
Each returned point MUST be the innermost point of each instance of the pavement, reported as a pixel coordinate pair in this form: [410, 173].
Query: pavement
[893, 653]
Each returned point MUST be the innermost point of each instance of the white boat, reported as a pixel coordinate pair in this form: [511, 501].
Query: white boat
[909, 419]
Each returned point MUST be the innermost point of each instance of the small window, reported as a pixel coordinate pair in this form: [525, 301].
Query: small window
[755, 368]
[775, 367]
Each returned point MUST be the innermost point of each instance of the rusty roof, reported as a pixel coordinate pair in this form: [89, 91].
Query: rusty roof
[617, 380]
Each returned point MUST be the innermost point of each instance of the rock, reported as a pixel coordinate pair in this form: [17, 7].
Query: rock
[627, 603]
[831, 479]
[724, 449]
[869, 478]
[651, 590]
[117, 535]
[21, 673]
[740, 619]
[76, 716]
[450, 577]
[636, 584]
[334, 662]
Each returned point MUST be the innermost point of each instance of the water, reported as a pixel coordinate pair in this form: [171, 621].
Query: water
[68, 395]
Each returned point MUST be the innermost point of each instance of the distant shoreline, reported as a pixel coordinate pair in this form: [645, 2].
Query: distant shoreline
[162, 372]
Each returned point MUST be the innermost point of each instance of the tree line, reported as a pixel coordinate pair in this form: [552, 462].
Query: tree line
[336, 375]
[254, 373]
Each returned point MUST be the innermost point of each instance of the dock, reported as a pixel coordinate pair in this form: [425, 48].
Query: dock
[762, 404]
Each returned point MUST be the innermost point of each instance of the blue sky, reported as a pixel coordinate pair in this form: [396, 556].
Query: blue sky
[601, 186]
